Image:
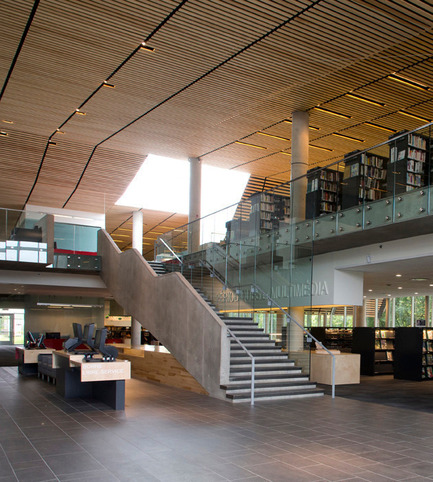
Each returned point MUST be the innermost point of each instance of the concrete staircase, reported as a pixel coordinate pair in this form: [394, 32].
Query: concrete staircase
[158, 267]
[276, 376]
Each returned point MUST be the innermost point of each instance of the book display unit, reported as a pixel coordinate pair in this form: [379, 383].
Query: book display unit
[414, 354]
[364, 179]
[377, 348]
[267, 211]
[409, 163]
[323, 192]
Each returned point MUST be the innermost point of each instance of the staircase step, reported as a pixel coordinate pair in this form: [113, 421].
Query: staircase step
[276, 365]
[244, 372]
[267, 377]
[258, 354]
[280, 395]
[234, 389]
[262, 344]
[259, 358]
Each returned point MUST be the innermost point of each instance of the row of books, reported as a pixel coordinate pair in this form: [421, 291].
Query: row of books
[428, 334]
[427, 372]
[427, 359]
[384, 344]
[414, 179]
[370, 183]
[371, 194]
[327, 207]
[415, 166]
[330, 176]
[385, 334]
[427, 346]
[375, 161]
[381, 356]
[416, 154]
[329, 196]
[417, 141]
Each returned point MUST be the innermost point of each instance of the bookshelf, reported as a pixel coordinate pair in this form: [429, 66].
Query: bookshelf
[267, 211]
[409, 163]
[334, 338]
[323, 192]
[414, 354]
[364, 179]
[377, 348]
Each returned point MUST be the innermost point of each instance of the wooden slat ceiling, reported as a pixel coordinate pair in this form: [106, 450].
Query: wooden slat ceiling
[220, 72]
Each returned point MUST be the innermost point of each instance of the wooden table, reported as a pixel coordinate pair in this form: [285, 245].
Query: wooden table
[105, 381]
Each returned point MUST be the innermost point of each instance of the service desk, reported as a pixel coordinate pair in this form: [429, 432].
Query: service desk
[347, 368]
[28, 359]
[104, 381]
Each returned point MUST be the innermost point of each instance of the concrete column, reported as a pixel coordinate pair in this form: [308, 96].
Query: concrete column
[299, 165]
[359, 318]
[194, 204]
[137, 231]
[298, 192]
[137, 243]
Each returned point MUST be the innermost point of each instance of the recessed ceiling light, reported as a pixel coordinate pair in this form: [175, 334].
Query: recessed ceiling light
[370, 290]
[398, 275]
[58, 131]
[419, 279]
[77, 111]
[431, 284]
[110, 86]
[52, 143]
[416, 292]
[338, 114]
[350, 138]
[146, 47]
[400, 288]
[405, 80]
[365, 99]
[3, 134]
[7, 121]
[275, 137]
[249, 145]
[322, 148]
[389, 294]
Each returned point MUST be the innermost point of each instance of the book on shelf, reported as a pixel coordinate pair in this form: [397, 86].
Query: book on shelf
[428, 334]
[389, 356]
[429, 372]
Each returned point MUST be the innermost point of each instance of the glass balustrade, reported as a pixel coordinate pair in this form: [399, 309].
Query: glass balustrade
[255, 259]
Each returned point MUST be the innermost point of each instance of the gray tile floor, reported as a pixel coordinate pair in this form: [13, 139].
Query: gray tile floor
[167, 434]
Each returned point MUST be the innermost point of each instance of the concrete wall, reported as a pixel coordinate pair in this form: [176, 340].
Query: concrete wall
[172, 311]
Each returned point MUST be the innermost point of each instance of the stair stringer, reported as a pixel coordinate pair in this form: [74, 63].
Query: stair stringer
[171, 309]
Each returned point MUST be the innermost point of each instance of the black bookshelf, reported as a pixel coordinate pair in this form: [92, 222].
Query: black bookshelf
[267, 211]
[334, 338]
[376, 347]
[413, 354]
[323, 192]
[409, 163]
[364, 179]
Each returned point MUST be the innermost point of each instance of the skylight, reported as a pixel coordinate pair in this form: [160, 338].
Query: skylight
[162, 184]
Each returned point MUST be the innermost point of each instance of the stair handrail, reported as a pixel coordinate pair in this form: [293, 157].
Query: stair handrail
[213, 272]
[171, 251]
[292, 320]
[253, 361]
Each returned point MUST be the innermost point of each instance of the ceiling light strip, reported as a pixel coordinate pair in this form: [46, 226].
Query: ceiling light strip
[408, 114]
[365, 99]
[410, 82]
[350, 138]
[249, 145]
[377, 126]
[322, 148]
[331, 112]
[313, 128]
[275, 137]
